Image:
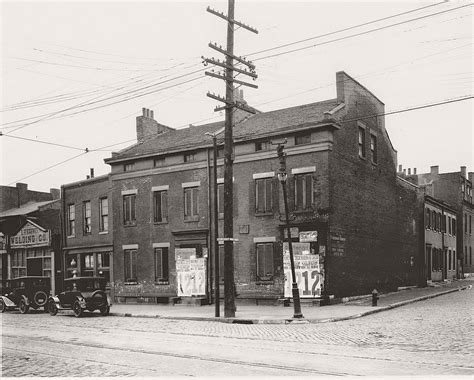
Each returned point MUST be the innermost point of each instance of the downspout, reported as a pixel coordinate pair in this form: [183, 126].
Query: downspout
[209, 240]
[63, 236]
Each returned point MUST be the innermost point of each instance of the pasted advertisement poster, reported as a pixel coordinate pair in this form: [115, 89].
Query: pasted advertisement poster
[307, 270]
[190, 273]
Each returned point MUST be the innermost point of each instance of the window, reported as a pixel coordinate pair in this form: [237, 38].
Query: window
[18, 263]
[220, 151]
[103, 265]
[71, 220]
[470, 224]
[449, 260]
[470, 255]
[303, 191]
[427, 219]
[104, 214]
[191, 203]
[188, 157]
[262, 145]
[161, 265]
[454, 226]
[158, 162]
[433, 220]
[160, 206]
[361, 142]
[465, 223]
[265, 262]
[86, 212]
[130, 265]
[450, 230]
[263, 195]
[303, 138]
[128, 167]
[373, 148]
[220, 200]
[129, 217]
[88, 265]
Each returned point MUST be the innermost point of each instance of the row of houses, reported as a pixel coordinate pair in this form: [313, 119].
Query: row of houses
[356, 222]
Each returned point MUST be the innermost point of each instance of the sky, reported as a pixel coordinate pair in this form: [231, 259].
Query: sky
[77, 74]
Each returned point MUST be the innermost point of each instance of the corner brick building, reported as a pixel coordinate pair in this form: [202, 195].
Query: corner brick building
[353, 219]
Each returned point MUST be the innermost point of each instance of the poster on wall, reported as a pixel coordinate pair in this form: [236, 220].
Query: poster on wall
[190, 273]
[307, 270]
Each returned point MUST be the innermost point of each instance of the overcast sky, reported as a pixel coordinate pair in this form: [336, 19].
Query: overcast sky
[78, 74]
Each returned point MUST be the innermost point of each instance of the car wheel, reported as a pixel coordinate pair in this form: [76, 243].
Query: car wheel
[76, 307]
[104, 310]
[23, 306]
[40, 298]
[3, 308]
[52, 308]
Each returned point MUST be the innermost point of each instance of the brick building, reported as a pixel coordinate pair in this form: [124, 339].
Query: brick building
[441, 261]
[454, 188]
[354, 227]
[87, 228]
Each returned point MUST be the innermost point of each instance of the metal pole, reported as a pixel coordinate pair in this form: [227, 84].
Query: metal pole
[294, 286]
[229, 286]
[216, 229]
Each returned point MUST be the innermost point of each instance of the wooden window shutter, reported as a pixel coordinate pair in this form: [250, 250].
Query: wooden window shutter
[290, 189]
[252, 200]
[278, 258]
[276, 195]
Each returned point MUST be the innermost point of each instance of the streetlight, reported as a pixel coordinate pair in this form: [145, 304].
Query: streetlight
[282, 177]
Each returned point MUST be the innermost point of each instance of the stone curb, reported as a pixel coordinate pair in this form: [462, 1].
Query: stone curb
[258, 321]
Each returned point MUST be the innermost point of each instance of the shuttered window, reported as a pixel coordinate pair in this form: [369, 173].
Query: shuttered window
[263, 195]
[265, 266]
[130, 265]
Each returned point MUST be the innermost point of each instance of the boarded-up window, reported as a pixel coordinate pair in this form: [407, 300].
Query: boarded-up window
[191, 202]
[263, 195]
[160, 203]
[130, 265]
[303, 191]
[265, 269]
[161, 265]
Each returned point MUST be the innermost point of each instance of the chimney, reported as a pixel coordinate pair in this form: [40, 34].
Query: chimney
[463, 171]
[92, 172]
[400, 168]
[22, 190]
[409, 171]
[55, 193]
[148, 127]
[434, 170]
[414, 171]
[404, 171]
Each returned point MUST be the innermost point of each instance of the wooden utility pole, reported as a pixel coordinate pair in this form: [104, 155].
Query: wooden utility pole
[228, 65]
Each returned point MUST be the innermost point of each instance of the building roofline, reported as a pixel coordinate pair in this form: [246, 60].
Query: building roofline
[86, 181]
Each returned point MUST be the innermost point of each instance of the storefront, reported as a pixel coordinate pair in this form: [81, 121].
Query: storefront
[31, 253]
[89, 262]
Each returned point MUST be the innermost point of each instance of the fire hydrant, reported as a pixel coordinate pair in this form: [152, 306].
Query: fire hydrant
[375, 297]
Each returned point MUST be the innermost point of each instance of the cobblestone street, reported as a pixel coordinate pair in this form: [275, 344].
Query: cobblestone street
[432, 337]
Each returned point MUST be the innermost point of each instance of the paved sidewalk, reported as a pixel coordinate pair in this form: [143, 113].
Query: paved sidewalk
[253, 314]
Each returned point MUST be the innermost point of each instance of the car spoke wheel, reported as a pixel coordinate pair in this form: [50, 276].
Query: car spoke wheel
[104, 310]
[52, 308]
[77, 309]
[3, 308]
[23, 306]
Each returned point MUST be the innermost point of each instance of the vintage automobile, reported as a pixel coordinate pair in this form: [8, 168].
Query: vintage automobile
[26, 292]
[81, 294]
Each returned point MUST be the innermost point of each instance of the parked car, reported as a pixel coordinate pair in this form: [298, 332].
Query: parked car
[26, 292]
[81, 294]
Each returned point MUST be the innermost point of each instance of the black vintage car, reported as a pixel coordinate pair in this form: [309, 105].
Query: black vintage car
[81, 294]
[26, 292]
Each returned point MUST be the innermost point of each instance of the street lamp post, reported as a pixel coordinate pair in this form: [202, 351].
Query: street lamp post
[282, 177]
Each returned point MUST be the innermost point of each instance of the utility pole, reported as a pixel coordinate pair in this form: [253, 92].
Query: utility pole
[229, 104]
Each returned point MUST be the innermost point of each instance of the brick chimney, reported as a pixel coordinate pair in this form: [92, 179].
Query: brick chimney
[148, 127]
[434, 170]
[22, 191]
[463, 171]
[239, 114]
[55, 193]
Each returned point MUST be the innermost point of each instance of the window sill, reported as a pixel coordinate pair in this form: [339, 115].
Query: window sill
[162, 222]
[103, 232]
[131, 283]
[71, 236]
[264, 214]
[191, 219]
[162, 282]
[130, 225]
[261, 282]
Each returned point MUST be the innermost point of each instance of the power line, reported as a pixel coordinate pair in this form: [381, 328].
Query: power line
[361, 33]
[345, 29]
[43, 142]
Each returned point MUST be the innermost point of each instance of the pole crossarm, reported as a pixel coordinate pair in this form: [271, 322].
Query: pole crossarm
[233, 80]
[238, 59]
[223, 16]
[224, 65]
